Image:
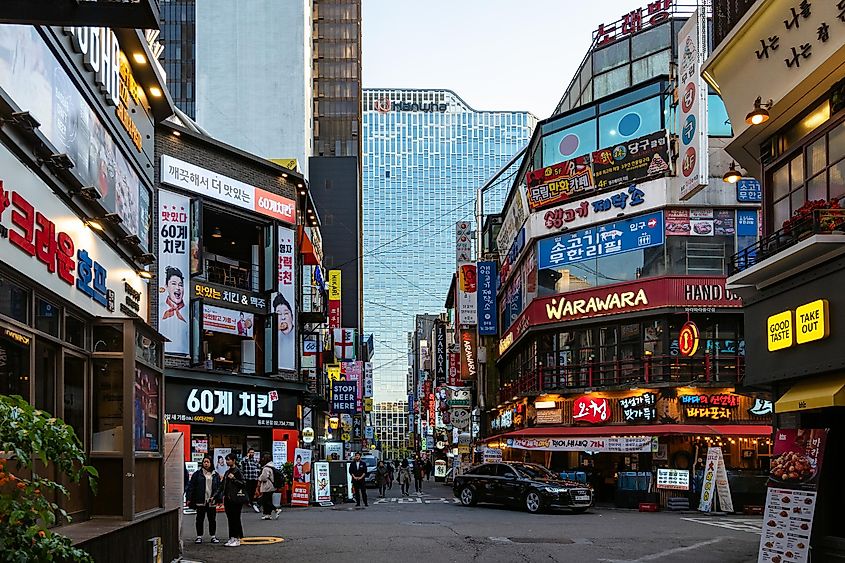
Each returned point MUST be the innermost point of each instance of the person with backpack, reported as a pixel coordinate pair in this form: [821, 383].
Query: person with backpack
[267, 487]
[203, 495]
[405, 477]
[234, 499]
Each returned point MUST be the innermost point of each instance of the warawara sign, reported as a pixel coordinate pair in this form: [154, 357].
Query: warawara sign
[187, 176]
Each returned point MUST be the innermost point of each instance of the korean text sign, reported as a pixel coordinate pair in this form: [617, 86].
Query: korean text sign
[284, 302]
[640, 232]
[174, 243]
[189, 403]
[487, 298]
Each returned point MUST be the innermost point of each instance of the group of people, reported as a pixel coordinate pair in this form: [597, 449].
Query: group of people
[387, 472]
[237, 487]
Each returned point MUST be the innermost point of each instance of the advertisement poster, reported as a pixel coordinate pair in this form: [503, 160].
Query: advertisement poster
[322, 481]
[467, 288]
[284, 302]
[617, 444]
[487, 281]
[174, 262]
[334, 451]
[557, 183]
[640, 232]
[344, 397]
[632, 161]
[220, 460]
[302, 465]
[199, 445]
[227, 321]
[791, 498]
[300, 495]
[701, 222]
[280, 452]
[454, 365]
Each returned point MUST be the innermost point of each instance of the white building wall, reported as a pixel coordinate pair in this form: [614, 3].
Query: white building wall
[253, 75]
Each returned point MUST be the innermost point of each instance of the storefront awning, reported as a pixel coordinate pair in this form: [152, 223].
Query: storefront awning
[814, 393]
[306, 249]
[631, 430]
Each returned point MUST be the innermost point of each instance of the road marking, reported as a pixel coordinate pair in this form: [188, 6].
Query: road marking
[500, 539]
[261, 540]
[666, 553]
[752, 526]
[417, 500]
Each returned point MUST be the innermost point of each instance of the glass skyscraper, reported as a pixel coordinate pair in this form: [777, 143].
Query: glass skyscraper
[425, 154]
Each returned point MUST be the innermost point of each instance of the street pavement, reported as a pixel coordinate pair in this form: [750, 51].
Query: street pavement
[434, 527]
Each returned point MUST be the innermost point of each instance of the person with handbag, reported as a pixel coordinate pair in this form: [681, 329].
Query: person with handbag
[267, 487]
[203, 496]
[234, 499]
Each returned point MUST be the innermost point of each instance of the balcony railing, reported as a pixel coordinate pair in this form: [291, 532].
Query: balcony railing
[232, 273]
[819, 221]
[646, 371]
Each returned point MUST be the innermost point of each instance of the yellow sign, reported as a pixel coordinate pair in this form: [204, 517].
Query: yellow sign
[345, 436]
[463, 448]
[334, 285]
[779, 331]
[289, 163]
[811, 322]
[368, 404]
[128, 91]
[16, 336]
[334, 422]
[333, 372]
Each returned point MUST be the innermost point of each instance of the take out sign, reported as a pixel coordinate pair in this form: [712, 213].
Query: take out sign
[808, 323]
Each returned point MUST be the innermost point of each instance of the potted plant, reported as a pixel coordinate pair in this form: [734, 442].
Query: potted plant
[819, 215]
[287, 471]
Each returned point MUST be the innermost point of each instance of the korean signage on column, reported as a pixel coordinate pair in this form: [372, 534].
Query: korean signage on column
[692, 50]
[463, 242]
[486, 275]
[467, 289]
[173, 269]
[284, 302]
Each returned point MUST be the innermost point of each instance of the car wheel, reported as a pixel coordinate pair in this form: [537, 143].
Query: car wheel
[579, 510]
[533, 502]
[467, 497]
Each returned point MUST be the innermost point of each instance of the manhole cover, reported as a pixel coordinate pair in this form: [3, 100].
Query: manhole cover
[542, 540]
[261, 540]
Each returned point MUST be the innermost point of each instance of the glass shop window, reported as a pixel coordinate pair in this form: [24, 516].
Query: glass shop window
[74, 395]
[47, 317]
[107, 431]
[14, 364]
[14, 300]
[75, 331]
[147, 419]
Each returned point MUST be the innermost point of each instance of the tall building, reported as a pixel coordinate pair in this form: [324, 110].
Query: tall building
[178, 35]
[335, 168]
[391, 428]
[425, 154]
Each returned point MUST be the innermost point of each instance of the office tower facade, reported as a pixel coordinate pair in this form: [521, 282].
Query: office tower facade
[425, 154]
[178, 36]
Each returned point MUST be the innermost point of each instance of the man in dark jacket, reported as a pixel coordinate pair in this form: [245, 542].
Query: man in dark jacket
[358, 471]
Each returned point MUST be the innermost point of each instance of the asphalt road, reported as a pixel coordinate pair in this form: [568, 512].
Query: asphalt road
[434, 528]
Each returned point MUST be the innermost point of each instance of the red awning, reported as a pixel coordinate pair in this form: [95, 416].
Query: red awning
[656, 430]
[306, 249]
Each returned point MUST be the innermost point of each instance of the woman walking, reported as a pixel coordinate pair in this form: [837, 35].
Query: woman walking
[389, 475]
[405, 477]
[419, 470]
[234, 499]
[381, 478]
[203, 496]
[266, 487]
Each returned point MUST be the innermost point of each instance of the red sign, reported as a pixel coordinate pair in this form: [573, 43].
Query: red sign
[273, 205]
[696, 294]
[469, 350]
[655, 13]
[554, 184]
[591, 409]
[300, 494]
[688, 339]
[334, 314]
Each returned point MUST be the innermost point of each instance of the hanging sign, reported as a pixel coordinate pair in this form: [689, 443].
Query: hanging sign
[688, 339]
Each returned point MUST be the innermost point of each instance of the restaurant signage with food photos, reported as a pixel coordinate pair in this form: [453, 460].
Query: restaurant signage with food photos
[632, 161]
[557, 183]
[797, 457]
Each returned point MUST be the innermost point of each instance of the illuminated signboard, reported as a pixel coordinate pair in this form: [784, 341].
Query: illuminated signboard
[712, 407]
[688, 339]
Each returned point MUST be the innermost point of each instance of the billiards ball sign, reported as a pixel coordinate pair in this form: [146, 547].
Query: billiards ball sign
[688, 339]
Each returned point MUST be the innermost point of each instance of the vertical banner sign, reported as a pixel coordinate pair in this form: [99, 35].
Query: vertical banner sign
[440, 369]
[323, 484]
[487, 298]
[284, 303]
[174, 263]
[791, 498]
[692, 50]
[454, 365]
[469, 350]
[368, 379]
[715, 483]
[467, 289]
[463, 242]
[334, 298]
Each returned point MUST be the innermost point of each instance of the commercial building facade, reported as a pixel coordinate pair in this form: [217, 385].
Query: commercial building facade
[390, 421]
[425, 153]
[788, 117]
[613, 252]
[76, 215]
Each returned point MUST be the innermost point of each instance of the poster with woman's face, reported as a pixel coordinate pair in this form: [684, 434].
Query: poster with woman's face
[220, 460]
[284, 302]
[173, 271]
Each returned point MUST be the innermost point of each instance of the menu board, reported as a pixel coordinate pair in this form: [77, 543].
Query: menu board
[791, 499]
[674, 479]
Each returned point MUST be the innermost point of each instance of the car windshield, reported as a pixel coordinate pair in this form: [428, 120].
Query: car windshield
[370, 461]
[532, 471]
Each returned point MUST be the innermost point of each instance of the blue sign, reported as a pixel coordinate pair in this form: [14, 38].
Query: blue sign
[410, 403]
[746, 223]
[517, 246]
[613, 238]
[748, 191]
[487, 277]
[344, 397]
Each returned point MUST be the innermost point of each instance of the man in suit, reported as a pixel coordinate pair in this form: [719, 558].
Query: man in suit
[358, 471]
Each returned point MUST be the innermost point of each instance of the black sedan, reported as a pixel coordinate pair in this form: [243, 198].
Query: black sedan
[527, 485]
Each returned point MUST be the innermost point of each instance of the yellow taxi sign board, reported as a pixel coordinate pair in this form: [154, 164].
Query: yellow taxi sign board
[812, 322]
[779, 331]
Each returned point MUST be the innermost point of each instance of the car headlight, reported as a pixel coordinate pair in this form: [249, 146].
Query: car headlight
[555, 490]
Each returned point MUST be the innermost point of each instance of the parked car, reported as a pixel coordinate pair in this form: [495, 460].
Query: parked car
[372, 462]
[526, 485]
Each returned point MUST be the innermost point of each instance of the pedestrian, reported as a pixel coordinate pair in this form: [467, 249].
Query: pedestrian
[249, 466]
[234, 499]
[390, 471]
[419, 469]
[405, 477]
[428, 468]
[381, 478]
[267, 488]
[203, 496]
[358, 471]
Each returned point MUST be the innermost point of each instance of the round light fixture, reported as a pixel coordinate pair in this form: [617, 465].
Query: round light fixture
[145, 274]
[732, 176]
[217, 233]
[760, 113]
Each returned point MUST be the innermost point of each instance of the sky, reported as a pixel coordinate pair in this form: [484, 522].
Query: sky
[495, 54]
